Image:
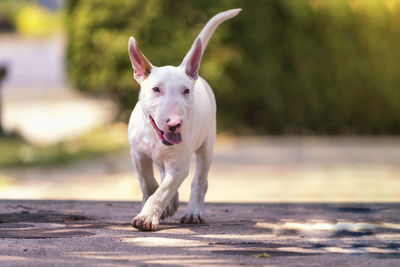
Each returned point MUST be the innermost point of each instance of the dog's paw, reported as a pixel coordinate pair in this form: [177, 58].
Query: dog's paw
[193, 217]
[171, 208]
[145, 222]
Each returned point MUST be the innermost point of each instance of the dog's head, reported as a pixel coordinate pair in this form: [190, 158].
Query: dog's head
[166, 93]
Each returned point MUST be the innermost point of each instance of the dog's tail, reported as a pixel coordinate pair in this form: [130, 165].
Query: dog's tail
[213, 23]
[209, 29]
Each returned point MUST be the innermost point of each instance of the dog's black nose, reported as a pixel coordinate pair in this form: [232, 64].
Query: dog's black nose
[173, 128]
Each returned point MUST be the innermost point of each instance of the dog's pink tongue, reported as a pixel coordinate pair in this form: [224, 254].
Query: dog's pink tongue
[174, 138]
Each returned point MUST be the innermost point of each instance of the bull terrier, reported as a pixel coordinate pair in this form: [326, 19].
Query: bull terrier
[174, 117]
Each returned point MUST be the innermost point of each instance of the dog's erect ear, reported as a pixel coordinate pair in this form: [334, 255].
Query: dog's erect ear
[192, 63]
[140, 64]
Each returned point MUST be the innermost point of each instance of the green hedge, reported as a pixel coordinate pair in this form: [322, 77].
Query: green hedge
[9, 10]
[280, 66]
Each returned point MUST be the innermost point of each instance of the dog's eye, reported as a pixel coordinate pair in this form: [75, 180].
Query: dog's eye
[156, 90]
[187, 91]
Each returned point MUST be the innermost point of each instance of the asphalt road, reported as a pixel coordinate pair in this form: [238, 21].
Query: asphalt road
[79, 233]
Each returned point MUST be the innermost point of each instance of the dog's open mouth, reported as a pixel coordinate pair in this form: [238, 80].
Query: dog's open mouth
[167, 138]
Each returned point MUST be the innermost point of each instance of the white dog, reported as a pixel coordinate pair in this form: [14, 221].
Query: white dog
[174, 118]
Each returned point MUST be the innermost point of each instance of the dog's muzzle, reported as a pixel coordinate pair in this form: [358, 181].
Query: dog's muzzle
[167, 138]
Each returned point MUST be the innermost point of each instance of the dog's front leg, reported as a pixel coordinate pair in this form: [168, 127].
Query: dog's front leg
[174, 203]
[149, 217]
[144, 169]
[195, 210]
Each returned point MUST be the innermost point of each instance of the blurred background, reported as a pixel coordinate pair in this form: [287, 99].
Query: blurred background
[308, 95]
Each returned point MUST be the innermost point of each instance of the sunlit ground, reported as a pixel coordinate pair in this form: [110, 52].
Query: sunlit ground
[291, 169]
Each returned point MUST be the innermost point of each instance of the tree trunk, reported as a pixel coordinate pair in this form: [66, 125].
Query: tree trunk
[3, 73]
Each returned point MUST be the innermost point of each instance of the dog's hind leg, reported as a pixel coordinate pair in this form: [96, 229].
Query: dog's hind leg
[195, 209]
[144, 169]
[174, 203]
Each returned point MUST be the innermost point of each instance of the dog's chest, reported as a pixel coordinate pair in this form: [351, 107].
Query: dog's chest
[145, 140]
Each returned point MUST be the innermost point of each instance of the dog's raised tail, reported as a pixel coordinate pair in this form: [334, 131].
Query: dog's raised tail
[213, 23]
[209, 29]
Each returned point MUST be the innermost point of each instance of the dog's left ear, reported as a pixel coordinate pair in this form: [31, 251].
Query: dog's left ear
[191, 62]
[140, 64]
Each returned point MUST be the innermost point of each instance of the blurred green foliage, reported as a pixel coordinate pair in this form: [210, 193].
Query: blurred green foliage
[26, 17]
[9, 10]
[34, 20]
[280, 66]
[15, 152]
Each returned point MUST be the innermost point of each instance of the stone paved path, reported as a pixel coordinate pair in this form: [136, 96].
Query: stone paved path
[82, 233]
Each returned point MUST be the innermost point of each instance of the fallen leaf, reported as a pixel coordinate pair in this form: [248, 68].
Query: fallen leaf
[263, 255]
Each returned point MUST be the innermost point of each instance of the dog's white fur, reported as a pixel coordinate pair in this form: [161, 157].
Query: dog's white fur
[182, 107]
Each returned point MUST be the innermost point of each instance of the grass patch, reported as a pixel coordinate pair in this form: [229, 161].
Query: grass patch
[5, 181]
[15, 152]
